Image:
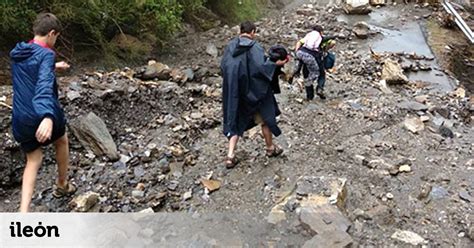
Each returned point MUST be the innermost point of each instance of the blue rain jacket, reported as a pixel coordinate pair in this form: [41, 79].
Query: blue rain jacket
[35, 91]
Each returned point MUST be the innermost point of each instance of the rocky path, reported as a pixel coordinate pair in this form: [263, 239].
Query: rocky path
[405, 150]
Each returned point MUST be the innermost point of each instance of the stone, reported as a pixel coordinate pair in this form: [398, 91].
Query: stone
[414, 124]
[404, 168]
[445, 132]
[84, 202]
[464, 195]
[382, 84]
[438, 192]
[72, 95]
[333, 239]
[305, 12]
[147, 211]
[361, 30]
[189, 74]
[408, 237]
[211, 49]
[211, 185]
[360, 7]
[179, 76]
[377, 2]
[173, 185]
[470, 233]
[392, 72]
[92, 133]
[422, 98]
[176, 169]
[156, 70]
[188, 195]
[424, 192]
[138, 193]
[411, 105]
[319, 217]
[276, 215]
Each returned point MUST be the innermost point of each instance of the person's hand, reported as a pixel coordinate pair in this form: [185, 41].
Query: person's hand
[61, 66]
[281, 62]
[44, 131]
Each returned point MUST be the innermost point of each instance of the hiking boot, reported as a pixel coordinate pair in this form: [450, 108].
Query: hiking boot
[320, 93]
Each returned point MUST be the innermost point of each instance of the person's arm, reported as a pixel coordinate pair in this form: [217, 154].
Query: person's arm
[299, 44]
[43, 101]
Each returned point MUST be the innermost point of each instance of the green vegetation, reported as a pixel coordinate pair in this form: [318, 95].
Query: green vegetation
[119, 28]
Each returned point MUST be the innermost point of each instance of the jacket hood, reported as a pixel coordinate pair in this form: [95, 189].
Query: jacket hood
[22, 51]
[244, 44]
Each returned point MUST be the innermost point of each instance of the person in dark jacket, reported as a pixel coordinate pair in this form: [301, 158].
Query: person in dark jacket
[248, 98]
[38, 119]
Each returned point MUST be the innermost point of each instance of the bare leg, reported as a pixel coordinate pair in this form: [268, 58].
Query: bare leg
[232, 145]
[268, 136]
[62, 158]
[33, 162]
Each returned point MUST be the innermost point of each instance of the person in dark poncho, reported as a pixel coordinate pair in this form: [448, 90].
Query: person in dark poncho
[38, 119]
[248, 98]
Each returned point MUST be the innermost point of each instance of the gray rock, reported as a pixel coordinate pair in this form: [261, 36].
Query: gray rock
[189, 74]
[412, 105]
[333, 239]
[92, 133]
[408, 237]
[361, 30]
[84, 202]
[156, 70]
[463, 194]
[353, 9]
[438, 192]
[392, 72]
[211, 49]
[138, 193]
[414, 124]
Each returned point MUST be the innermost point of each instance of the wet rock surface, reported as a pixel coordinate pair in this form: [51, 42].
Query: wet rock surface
[168, 136]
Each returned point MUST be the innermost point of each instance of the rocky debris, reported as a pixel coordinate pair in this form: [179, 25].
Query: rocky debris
[361, 30]
[84, 202]
[392, 72]
[408, 237]
[414, 124]
[92, 133]
[357, 7]
[404, 168]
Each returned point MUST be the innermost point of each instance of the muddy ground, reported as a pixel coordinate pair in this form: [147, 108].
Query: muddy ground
[169, 135]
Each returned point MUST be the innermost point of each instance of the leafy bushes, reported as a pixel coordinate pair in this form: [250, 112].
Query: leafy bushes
[101, 23]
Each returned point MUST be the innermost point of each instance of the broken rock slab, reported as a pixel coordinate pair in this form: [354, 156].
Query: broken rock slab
[392, 72]
[211, 49]
[92, 133]
[326, 222]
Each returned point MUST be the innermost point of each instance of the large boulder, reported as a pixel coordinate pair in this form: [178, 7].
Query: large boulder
[392, 72]
[92, 133]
